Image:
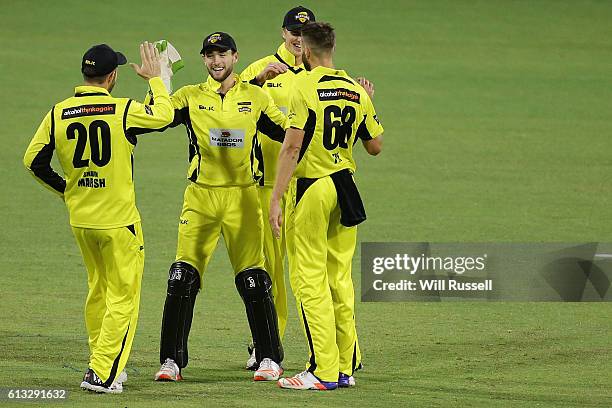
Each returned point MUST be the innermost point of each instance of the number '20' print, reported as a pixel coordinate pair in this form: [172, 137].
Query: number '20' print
[99, 143]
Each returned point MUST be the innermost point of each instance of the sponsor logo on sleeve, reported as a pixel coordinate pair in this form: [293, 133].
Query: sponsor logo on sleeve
[88, 110]
[338, 93]
[230, 138]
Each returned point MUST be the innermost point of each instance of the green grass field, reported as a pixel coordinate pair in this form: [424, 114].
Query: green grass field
[498, 119]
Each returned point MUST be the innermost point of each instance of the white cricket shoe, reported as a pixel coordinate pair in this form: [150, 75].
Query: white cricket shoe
[268, 371]
[169, 371]
[251, 363]
[117, 385]
[122, 377]
[306, 381]
[92, 382]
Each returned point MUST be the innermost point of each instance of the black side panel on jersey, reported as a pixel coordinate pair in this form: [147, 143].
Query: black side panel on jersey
[309, 129]
[266, 126]
[194, 149]
[183, 287]
[352, 211]
[257, 155]
[129, 135]
[255, 288]
[41, 165]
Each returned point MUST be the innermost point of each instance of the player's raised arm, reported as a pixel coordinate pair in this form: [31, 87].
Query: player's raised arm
[155, 116]
[37, 158]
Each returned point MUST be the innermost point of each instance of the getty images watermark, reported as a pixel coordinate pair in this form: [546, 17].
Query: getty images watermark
[486, 271]
[423, 263]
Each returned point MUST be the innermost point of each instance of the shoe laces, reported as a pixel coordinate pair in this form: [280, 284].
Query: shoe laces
[302, 374]
[169, 364]
[266, 364]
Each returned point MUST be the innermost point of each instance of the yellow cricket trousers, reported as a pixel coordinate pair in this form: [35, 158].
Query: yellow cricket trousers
[320, 252]
[274, 252]
[209, 212]
[114, 259]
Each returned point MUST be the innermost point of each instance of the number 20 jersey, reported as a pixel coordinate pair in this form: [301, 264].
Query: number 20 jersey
[94, 135]
[334, 111]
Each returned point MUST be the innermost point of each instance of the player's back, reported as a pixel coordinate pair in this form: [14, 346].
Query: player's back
[334, 108]
[96, 155]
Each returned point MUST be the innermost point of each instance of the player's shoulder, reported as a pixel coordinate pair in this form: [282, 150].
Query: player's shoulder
[251, 90]
[260, 63]
[187, 90]
[77, 101]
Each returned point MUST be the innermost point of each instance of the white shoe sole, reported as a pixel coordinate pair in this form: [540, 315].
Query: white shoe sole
[102, 390]
[167, 377]
[267, 375]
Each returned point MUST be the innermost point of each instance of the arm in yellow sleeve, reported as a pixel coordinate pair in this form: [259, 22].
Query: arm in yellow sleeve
[37, 158]
[142, 118]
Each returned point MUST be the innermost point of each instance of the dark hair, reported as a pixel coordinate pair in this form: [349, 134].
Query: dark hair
[98, 79]
[319, 36]
[219, 49]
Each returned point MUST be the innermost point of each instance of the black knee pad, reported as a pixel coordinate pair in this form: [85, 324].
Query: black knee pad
[255, 288]
[183, 279]
[183, 287]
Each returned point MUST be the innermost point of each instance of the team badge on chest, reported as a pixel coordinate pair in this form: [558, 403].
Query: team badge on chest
[244, 107]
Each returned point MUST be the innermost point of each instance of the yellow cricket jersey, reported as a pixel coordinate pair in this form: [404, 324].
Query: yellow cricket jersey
[334, 111]
[278, 88]
[94, 135]
[222, 130]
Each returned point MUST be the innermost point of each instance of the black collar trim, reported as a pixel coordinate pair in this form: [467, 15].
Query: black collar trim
[78, 95]
[289, 67]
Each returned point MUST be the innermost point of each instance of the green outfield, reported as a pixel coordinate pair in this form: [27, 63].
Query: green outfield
[498, 124]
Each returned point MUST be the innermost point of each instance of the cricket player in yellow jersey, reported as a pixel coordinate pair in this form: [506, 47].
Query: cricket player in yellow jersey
[94, 135]
[222, 117]
[276, 75]
[328, 113]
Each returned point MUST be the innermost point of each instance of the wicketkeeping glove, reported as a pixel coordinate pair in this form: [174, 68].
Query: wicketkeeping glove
[170, 62]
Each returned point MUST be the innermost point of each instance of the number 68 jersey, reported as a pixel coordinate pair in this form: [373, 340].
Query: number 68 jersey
[94, 135]
[334, 111]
